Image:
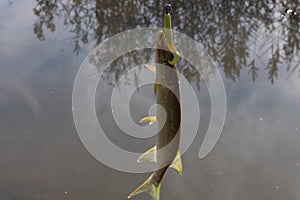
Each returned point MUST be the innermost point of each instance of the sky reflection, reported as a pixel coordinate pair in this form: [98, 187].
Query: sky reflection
[41, 154]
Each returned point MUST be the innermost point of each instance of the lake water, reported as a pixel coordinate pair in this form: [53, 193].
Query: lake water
[255, 46]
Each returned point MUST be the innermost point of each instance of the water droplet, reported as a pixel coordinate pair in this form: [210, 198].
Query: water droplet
[260, 118]
[52, 90]
[277, 187]
[298, 164]
[28, 131]
[66, 192]
[212, 185]
[297, 129]
[217, 173]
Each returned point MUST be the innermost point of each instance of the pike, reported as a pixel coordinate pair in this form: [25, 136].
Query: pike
[166, 152]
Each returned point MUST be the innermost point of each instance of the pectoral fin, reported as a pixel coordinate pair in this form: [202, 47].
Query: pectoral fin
[149, 119]
[149, 156]
[152, 68]
[177, 163]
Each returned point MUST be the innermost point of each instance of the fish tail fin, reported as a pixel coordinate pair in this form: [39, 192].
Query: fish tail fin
[147, 186]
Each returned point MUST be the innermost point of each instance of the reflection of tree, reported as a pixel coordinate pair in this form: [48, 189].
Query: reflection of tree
[229, 30]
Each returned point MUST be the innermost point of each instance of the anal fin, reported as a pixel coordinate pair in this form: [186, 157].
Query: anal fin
[177, 163]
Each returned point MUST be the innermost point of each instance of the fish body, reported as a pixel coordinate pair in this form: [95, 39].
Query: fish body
[166, 152]
[167, 96]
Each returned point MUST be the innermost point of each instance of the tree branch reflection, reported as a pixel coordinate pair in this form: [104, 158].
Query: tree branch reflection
[237, 34]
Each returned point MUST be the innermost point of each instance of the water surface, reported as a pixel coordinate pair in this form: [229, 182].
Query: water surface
[255, 45]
